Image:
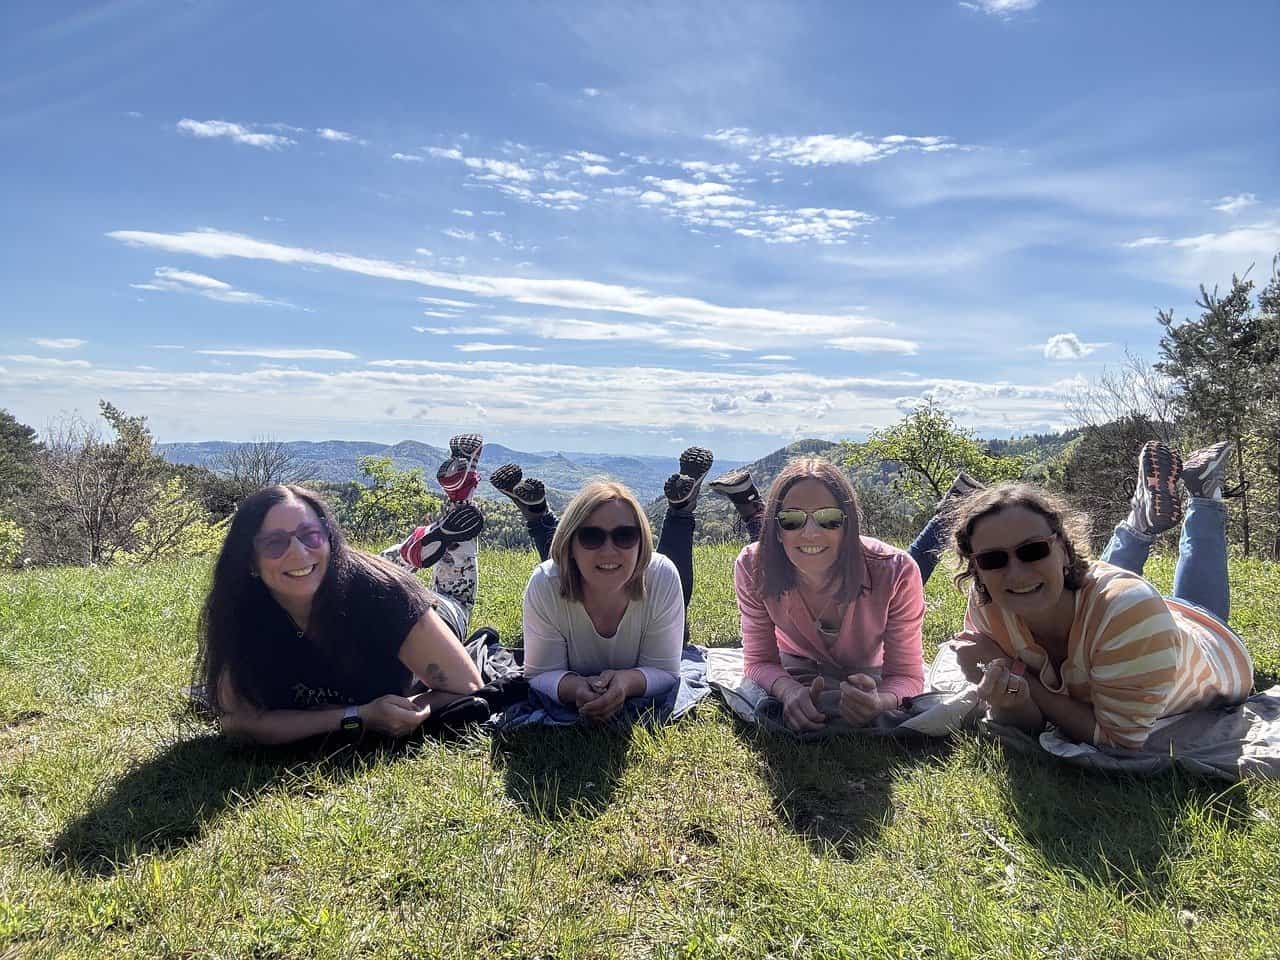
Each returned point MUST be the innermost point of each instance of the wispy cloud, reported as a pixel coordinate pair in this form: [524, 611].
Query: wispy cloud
[1068, 346]
[463, 331]
[172, 280]
[284, 353]
[693, 315]
[457, 234]
[1000, 8]
[59, 343]
[237, 132]
[1233, 205]
[876, 345]
[445, 302]
[488, 166]
[408, 158]
[46, 361]
[827, 148]
[337, 136]
[494, 347]
[1147, 242]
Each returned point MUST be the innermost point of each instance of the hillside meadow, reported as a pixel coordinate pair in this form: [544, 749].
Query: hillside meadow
[130, 829]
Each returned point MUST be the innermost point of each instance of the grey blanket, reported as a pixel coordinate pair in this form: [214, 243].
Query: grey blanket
[1228, 743]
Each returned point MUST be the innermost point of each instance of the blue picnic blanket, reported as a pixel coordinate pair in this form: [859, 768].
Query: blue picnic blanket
[541, 710]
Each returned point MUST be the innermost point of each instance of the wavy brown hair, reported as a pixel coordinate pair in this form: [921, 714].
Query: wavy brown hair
[775, 574]
[1070, 525]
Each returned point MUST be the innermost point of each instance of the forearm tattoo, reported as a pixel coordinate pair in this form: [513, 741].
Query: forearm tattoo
[435, 676]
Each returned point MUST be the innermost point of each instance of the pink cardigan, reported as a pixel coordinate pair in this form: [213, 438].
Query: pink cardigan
[882, 627]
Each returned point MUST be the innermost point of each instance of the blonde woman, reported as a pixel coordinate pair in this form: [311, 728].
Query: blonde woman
[604, 613]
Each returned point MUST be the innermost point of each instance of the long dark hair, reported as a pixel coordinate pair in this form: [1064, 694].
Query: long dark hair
[235, 632]
[1071, 527]
[775, 574]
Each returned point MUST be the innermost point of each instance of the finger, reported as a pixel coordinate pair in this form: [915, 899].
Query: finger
[394, 700]
[809, 710]
[817, 688]
[803, 724]
[862, 681]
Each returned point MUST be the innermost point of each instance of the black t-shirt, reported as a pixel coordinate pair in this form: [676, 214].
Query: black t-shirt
[374, 618]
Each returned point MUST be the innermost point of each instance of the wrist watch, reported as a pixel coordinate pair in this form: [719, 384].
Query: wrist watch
[351, 721]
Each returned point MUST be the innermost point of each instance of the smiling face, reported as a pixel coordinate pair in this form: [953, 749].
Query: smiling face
[813, 551]
[293, 577]
[607, 568]
[1031, 590]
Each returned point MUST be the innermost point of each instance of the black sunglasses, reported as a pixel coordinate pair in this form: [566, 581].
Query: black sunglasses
[1028, 552]
[275, 544]
[593, 538]
[828, 518]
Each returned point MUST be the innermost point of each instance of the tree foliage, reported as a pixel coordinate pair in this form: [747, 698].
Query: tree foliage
[391, 505]
[251, 466]
[927, 448]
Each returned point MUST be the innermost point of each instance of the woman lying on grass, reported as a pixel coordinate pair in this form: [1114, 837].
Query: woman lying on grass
[831, 620]
[303, 635]
[1105, 656]
[604, 614]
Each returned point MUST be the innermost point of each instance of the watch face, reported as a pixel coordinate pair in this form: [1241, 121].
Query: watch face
[352, 724]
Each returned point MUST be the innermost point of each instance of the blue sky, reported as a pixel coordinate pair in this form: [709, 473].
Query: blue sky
[618, 227]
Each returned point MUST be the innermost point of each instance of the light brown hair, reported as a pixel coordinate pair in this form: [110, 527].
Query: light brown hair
[575, 515]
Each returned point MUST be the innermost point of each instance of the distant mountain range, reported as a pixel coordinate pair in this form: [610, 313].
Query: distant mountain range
[563, 472]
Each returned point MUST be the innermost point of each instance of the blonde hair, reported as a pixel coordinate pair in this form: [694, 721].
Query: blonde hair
[575, 516]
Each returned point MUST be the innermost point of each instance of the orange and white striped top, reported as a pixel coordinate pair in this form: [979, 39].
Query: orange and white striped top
[1135, 656]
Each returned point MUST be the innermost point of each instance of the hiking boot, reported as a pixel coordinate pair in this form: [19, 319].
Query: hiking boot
[961, 486]
[1156, 506]
[1204, 471]
[428, 544]
[681, 491]
[738, 486]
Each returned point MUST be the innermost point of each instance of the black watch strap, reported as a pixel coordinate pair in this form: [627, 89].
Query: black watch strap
[351, 721]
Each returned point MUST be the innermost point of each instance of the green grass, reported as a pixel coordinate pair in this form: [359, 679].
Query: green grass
[129, 830]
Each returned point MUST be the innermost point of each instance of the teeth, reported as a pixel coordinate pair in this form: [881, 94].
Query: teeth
[811, 550]
[609, 566]
[1025, 590]
[300, 573]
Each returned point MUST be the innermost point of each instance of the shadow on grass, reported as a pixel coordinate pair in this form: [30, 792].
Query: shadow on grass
[1118, 830]
[835, 794]
[164, 802]
[560, 772]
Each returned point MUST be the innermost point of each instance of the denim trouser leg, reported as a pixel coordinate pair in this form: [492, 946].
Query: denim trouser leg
[541, 529]
[676, 544]
[927, 548]
[1201, 574]
[1127, 549]
[754, 526]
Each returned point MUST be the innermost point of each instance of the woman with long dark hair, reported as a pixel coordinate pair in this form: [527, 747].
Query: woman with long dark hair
[831, 619]
[303, 635]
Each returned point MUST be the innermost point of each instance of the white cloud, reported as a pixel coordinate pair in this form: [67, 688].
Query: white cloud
[1000, 8]
[445, 302]
[702, 170]
[827, 148]
[1068, 346]
[423, 252]
[46, 361]
[457, 234]
[493, 347]
[440, 314]
[763, 396]
[209, 129]
[284, 353]
[464, 213]
[1233, 205]
[723, 405]
[1147, 242]
[172, 280]
[586, 156]
[689, 314]
[407, 157]
[462, 331]
[337, 136]
[492, 168]
[776, 356]
[875, 345]
[653, 196]
[590, 92]
[600, 170]
[59, 343]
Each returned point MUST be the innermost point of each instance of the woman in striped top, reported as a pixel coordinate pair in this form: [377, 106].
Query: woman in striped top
[1092, 647]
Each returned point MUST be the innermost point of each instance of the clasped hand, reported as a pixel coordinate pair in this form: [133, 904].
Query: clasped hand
[860, 703]
[599, 698]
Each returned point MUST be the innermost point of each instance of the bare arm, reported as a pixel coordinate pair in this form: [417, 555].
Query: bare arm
[1072, 717]
[437, 657]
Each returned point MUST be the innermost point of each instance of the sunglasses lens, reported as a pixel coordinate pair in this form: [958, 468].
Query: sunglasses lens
[625, 538]
[274, 545]
[312, 537]
[829, 518]
[991, 559]
[1031, 552]
[792, 519]
[591, 538]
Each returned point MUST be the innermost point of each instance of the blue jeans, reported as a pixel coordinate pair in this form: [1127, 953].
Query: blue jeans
[1201, 574]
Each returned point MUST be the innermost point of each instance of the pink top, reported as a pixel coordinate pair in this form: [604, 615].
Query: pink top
[881, 628]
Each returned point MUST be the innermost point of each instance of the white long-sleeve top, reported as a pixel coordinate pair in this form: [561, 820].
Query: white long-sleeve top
[559, 637]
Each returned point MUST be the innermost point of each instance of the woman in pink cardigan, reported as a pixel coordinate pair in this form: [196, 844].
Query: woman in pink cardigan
[831, 620]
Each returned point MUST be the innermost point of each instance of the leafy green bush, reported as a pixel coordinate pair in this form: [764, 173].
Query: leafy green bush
[11, 540]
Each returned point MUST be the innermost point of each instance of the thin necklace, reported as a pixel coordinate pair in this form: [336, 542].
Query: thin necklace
[819, 626]
[300, 630]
